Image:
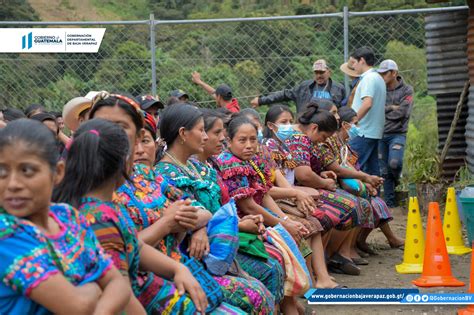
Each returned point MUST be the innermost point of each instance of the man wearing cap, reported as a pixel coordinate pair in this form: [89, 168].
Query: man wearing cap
[398, 106]
[321, 87]
[369, 104]
[222, 94]
[150, 104]
[180, 95]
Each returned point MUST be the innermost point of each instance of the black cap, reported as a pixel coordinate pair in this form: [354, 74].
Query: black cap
[178, 93]
[43, 116]
[147, 101]
[225, 91]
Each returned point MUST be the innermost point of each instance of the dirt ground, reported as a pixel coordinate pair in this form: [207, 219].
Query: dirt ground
[380, 273]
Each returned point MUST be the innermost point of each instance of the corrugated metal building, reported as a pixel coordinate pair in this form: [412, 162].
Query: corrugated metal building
[447, 63]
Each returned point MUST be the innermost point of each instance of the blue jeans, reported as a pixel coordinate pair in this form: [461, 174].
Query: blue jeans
[391, 149]
[367, 150]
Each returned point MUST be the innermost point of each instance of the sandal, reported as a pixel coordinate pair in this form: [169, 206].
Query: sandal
[342, 265]
[360, 261]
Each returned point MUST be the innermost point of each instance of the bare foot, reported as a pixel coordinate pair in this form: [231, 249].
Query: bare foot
[301, 308]
[365, 248]
[396, 242]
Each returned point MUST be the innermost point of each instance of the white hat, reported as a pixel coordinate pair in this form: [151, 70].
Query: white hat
[75, 107]
[320, 65]
[387, 65]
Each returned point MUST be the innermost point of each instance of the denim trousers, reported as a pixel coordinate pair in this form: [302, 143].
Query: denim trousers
[391, 150]
[367, 150]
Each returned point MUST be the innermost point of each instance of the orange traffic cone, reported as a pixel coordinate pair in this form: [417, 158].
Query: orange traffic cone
[436, 265]
[470, 309]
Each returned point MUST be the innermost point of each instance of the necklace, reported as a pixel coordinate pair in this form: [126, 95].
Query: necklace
[259, 172]
[184, 167]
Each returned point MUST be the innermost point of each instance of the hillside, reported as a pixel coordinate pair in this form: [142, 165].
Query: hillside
[94, 10]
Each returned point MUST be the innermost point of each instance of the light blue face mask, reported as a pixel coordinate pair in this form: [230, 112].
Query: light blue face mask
[284, 132]
[260, 135]
[354, 132]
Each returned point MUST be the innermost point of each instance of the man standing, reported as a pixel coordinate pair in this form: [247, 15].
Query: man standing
[369, 104]
[398, 106]
[321, 87]
[222, 94]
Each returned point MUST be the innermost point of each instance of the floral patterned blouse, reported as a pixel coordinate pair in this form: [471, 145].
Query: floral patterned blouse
[304, 152]
[331, 151]
[198, 181]
[29, 257]
[145, 198]
[244, 179]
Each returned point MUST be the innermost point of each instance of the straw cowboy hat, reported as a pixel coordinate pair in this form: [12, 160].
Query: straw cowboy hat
[349, 70]
[75, 107]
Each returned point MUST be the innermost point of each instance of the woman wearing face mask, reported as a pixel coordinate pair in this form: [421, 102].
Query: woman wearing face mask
[346, 211]
[335, 153]
[278, 122]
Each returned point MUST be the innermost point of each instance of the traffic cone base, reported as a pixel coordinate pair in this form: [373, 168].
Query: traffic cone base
[409, 268]
[452, 226]
[466, 311]
[438, 281]
[414, 241]
[436, 265]
[458, 250]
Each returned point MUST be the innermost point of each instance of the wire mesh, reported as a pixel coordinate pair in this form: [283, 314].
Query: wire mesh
[252, 57]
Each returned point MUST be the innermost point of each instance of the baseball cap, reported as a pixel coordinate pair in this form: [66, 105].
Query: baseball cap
[225, 91]
[320, 65]
[146, 101]
[178, 93]
[387, 65]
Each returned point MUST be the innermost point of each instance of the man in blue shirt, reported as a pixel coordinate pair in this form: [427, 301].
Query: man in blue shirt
[369, 103]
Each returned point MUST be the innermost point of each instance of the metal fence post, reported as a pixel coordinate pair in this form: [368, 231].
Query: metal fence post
[345, 16]
[153, 54]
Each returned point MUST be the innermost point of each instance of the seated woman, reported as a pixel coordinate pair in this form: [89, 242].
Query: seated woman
[304, 200]
[346, 211]
[50, 259]
[99, 158]
[248, 294]
[337, 156]
[248, 184]
[210, 192]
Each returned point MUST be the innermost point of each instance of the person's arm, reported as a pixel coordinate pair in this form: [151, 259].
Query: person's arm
[401, 111]
[116, 293]
[59, 296]
[196, 77]
[364, 108]
[63, 138]
[249, 206]
[276, 97]
[158, 263]
[306, 177]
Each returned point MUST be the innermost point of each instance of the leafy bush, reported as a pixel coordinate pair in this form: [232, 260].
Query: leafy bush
[421, 154]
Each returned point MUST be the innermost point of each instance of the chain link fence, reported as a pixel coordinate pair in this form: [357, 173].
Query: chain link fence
[254, 55]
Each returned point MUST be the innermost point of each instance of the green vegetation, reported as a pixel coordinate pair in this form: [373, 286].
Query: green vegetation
[253, 58]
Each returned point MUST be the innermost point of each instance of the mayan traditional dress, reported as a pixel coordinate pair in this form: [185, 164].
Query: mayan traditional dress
[345, 210]
[118, 236]
[29, 257]
[283, 160]
[211, 192]
[249, 179]
[331, 152]
[148, 197]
